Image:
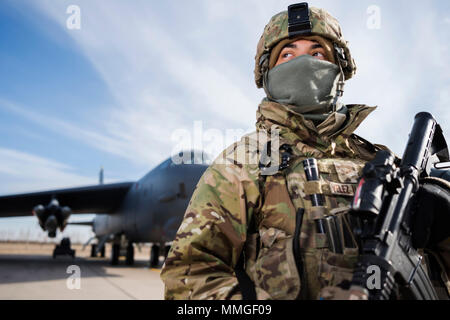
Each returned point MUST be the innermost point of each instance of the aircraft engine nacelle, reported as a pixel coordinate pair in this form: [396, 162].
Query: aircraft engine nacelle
[52, 217]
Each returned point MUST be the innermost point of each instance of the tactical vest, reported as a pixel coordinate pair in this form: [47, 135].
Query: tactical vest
[322, 259]
[294, 251]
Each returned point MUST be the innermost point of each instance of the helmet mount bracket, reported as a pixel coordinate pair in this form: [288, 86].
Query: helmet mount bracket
[299, 22]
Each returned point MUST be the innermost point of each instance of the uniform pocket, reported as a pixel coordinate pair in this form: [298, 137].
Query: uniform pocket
[275, 270]
[334, 268]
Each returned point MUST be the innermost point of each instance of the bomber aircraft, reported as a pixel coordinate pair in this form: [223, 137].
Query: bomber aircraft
[148, 210]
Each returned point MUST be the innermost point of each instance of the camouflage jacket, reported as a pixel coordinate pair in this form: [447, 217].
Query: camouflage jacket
[215, 230]
[213, 234]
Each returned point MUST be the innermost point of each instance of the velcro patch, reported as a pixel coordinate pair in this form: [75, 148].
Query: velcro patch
[312, 187]
[342, 189]
[348, 171]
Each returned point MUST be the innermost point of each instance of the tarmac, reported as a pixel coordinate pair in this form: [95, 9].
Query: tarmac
[28, 272]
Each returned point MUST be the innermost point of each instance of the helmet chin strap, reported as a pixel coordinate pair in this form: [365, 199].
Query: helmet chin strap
[265, 60]
[339, 89]
[342, 63]
[265, 76]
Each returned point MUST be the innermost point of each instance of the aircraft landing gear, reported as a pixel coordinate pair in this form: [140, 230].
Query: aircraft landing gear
[115, 253]
[121, 247]
[154, 256]
[102, 251]
[130, 254]
[94, 253]
[64, 249]
[93, 250]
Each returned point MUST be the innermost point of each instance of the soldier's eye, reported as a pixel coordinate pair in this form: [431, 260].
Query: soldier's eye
[287, 55]
[319, 55]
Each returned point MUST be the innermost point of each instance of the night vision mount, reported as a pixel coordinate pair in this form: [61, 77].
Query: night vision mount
[298, 19]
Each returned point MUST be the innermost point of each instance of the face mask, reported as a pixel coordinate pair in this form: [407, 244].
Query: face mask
[307, 84]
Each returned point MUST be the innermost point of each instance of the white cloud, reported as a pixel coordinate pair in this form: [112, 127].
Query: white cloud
[442, 109]
[115, 143]
[167, 66]
[401, 69]
[23, 172]
[158, 85]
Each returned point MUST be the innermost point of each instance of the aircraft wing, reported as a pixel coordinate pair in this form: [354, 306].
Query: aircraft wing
[93, 199]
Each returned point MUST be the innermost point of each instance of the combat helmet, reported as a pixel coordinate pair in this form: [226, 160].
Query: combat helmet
[302, 20]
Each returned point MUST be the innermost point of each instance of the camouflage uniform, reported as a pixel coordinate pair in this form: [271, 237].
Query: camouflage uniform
[236, 213]
[213, 234]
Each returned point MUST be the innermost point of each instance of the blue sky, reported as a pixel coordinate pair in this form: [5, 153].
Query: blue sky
[114, 92]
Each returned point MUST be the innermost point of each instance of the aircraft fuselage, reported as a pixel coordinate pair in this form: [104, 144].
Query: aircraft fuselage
[154, 206]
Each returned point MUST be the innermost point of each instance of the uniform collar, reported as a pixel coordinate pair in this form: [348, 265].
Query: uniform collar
[304, 135]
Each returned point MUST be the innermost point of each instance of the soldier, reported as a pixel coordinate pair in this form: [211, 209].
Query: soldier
[239, 233]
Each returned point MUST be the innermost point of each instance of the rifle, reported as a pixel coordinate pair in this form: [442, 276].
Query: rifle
[383, 204]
